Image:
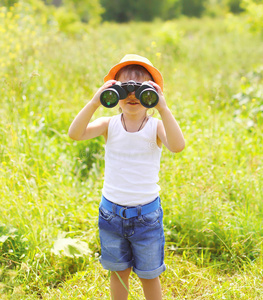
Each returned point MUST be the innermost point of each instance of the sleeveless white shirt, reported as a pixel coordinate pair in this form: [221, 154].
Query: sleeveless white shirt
[132, 164]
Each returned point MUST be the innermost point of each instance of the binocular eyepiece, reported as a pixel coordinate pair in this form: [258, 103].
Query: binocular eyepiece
[145, 92]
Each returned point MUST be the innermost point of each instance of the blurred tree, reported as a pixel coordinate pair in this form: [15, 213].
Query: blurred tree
[147, 10]
[116, 10]
[56, 3]
[234, 6]
[171, 9]
[254, 15]
[88, 10]
[193, 8]
[216, 8]
[92, 11]
[127, 10]
[7, 3]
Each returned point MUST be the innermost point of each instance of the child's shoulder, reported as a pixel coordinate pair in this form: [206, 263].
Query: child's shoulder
[113, 118]
[104, 120]
[107, 120]
[155, 119]
[102, 123]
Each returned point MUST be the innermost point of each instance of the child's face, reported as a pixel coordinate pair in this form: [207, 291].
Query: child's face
[131, 103]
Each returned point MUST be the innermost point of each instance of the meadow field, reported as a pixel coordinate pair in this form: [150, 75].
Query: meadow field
[211, 192]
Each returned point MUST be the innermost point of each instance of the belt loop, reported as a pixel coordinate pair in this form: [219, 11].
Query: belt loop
[114, 208]
[139, 210]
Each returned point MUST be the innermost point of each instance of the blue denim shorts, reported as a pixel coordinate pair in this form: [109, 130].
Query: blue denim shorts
[136, 243]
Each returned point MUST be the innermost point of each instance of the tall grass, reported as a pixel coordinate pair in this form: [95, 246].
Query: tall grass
[51, 186]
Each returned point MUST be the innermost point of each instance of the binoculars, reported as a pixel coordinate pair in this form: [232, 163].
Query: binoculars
[145, 92]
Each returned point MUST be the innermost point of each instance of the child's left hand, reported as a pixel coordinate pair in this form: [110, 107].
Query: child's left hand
[161, 103]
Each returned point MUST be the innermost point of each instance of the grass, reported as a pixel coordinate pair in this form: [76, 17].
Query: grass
[51, 186]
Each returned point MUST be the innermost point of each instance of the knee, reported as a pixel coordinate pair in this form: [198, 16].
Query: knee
[155, 280]
[122, 274]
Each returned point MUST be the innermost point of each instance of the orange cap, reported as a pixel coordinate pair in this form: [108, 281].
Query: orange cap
[134, 59]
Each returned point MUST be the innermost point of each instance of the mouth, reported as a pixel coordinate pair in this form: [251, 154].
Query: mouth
[133, 103]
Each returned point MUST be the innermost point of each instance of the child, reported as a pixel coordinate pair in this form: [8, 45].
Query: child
[130, 213]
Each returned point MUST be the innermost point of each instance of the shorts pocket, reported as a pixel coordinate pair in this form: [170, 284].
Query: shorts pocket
[152, 218]
[105, 214]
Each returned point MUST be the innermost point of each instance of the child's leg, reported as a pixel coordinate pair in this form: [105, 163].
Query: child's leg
[118, 291]
[152, 288]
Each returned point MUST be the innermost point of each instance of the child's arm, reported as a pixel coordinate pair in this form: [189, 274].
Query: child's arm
[81, 128]
[168, 130]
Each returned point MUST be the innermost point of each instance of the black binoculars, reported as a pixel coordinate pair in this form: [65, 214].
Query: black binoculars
[145, 92]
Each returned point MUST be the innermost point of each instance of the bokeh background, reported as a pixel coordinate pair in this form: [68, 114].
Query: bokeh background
[53, 57]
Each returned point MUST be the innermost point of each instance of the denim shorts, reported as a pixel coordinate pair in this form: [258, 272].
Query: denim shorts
[136, 243]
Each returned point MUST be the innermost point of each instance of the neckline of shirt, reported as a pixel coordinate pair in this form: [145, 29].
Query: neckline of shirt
[146, 124]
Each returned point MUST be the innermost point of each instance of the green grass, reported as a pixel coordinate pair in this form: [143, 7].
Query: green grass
[211, 192]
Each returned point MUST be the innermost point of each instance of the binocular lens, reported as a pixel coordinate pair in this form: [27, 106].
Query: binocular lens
[149, 98]
[109, 98]
[145, 92]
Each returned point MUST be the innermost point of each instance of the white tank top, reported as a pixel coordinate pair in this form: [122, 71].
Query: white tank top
[132, 164]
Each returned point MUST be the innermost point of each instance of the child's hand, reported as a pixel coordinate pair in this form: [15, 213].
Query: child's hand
[96, 97]
[162, 103]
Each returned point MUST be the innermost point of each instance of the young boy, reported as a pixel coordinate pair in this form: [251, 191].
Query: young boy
[130, 213]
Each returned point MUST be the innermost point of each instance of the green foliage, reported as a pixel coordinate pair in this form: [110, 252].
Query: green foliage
[7, 3]
[168, 33]
[252, 18]
[69, 21]
[249, 101]
[222, 7]
[88, 11]
[171, 9]
[235, 6]
[13, 246]
[254, 13]
[123, 11]
[193, 8]
[215, 8]
[70, 247]
[71, 17]
[89, 159]
[51, 186]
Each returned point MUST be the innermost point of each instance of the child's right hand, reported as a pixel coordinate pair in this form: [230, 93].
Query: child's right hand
[81, 128]
[96, 97]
